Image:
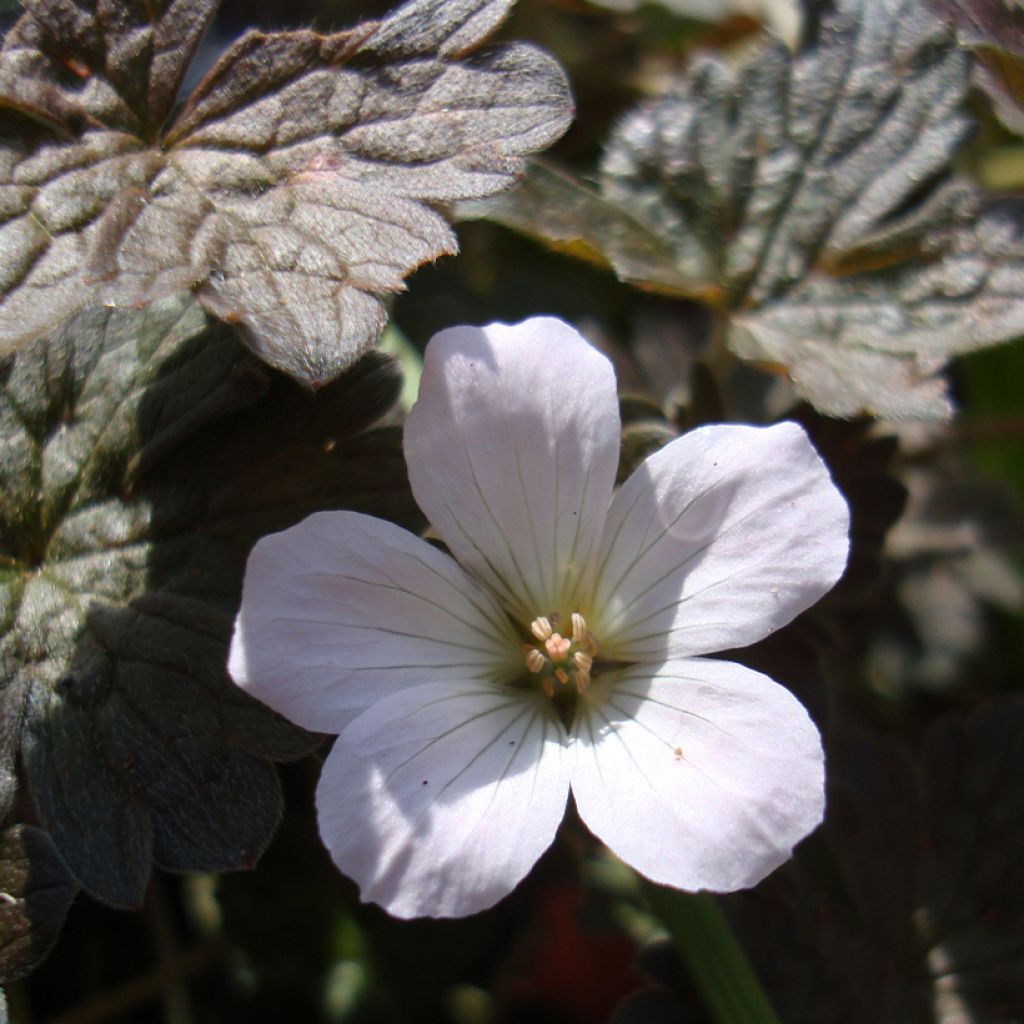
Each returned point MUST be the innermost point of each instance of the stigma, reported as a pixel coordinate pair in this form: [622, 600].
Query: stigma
[561, 660]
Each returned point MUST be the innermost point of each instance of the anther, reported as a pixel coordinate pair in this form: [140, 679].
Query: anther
[579, 628]
[535, 661]
[562, 660]
[541, 627]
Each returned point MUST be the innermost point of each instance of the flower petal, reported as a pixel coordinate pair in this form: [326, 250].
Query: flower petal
[702, 777]
[512, 449]
[717, 540]
[344, 608]
[438, 800]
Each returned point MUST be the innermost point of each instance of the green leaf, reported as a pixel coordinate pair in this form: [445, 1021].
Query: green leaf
[35, 893]
[142, 456]
[294, 190]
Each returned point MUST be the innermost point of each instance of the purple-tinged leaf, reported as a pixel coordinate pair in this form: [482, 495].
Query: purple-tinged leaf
[295, 189]
[115, 63]
[877, 340]
[993, 30]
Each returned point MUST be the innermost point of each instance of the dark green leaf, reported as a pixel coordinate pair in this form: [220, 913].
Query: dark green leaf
[907, 907]
[142, 456]
[296, 187]
[35, 893]
[973, 824]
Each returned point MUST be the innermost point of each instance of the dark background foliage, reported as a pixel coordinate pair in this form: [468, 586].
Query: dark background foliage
[751, 233]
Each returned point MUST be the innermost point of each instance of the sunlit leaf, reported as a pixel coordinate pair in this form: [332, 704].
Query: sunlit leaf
[812, 200]
[297, 186]
[876, 340]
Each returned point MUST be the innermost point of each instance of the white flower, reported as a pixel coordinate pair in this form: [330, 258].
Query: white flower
[562, 647]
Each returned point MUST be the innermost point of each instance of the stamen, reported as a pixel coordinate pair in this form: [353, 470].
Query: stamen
[541, 627]
[579, 628]
[583, 661]
[535, 661]
[562, 659]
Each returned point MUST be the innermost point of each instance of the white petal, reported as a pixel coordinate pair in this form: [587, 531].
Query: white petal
[717, 540]
[703, 777]
[343, 608]
[437, 801]
[512, 450]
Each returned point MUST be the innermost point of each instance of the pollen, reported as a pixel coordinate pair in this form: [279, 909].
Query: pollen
[561, 661]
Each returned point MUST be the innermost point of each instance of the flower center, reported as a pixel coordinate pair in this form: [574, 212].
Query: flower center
[561, 659]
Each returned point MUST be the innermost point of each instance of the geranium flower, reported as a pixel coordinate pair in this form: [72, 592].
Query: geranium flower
[563, 647]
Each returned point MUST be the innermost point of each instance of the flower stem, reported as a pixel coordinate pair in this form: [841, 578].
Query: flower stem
[717, 965]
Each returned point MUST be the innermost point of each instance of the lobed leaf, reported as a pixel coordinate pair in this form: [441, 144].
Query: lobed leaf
[294, 190]
[811, 199]
[143, 455]
[876, 340]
